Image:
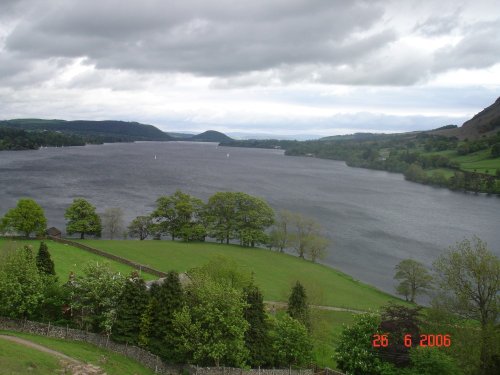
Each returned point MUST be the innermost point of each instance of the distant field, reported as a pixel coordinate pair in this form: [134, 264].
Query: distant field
[17, 359]
[479, 161]
[447, 172]
[274, 273]
[67, 258]
[113, 363]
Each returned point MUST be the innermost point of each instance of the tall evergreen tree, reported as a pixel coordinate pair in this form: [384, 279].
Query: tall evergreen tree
[298, 307]
[133, 301]
[257, 337]
[44, 262]
[145, 326]
[169, 298]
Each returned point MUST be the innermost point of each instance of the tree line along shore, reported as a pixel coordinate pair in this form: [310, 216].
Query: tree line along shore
[226, 217]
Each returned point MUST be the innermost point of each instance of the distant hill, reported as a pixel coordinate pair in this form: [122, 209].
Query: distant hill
[486, 122]
[107, 131]
[210, 136]
[355, 137]
[180, 136]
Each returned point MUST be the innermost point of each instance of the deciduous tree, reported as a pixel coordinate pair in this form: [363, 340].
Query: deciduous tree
[82, 218]
[221, 216]
[179, 215]
[21, 284]
[27, 217]
[305, 233]
[210, 329]
[94, 295]
[414, 279]
[141, 226]
[468, 276]
[236, 215]
[281, 231]
[112, 221]
[291, 343]
[354, 352]
[398, 321]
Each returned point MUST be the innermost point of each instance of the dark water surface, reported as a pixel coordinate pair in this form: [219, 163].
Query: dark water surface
[374, 219]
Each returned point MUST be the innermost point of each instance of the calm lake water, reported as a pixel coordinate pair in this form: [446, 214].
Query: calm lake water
[374, 219]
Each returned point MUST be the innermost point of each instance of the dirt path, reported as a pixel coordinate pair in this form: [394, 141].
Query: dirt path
[329, 308]
[75, 366]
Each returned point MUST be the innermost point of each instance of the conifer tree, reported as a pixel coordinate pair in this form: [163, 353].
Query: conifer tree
[145, 326]
[133, 301]
[257, 337]
[44, 262]
[169, 298]
[298, 307]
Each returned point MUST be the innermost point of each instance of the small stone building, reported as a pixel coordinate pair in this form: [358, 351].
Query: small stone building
[183, 278]
[54, 232]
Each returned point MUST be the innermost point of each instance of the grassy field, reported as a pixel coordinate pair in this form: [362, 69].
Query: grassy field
[274, 273]
[17, 359]
[327, 326]
[447, 172]
[67, 258]
[112, 363]
[479, 161]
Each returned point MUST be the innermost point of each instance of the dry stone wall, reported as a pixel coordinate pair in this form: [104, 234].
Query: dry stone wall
[142, 356]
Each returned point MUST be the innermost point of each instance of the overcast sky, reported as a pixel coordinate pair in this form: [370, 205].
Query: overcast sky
[285, 67]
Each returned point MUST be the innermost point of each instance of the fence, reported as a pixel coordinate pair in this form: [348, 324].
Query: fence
[142, 356]
[110, 256]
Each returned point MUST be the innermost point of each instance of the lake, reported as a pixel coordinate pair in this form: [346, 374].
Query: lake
[373, 218]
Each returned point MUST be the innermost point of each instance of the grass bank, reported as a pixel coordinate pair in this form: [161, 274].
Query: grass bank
[274, 273]
[68, 258]
[17, 359]
[112, 363]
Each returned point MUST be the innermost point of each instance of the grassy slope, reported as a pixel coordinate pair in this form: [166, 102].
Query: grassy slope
[17, 359]
[327, 326]
[115, 364]
[479, 161]
[274, 273]
[67, 258]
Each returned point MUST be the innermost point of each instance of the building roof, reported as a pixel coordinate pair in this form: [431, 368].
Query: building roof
[53, 231]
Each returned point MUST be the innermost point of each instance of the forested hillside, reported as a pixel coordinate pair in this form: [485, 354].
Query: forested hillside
[104, 131]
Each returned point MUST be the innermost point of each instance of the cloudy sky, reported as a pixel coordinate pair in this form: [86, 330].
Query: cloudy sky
[283, 67]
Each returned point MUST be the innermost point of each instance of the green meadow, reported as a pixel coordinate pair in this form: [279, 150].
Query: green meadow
[68, 258]
[17, 359]
[480, 161]
[274, 273]
[112, 363]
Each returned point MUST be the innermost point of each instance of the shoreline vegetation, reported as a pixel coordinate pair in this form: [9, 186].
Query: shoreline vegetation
[33, 134]
[430, 159]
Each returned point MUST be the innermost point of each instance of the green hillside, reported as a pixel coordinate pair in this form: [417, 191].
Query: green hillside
[68, 258]
[107, 131]
[112, 363]
[210, 136]
[17, 359]
[274, 272]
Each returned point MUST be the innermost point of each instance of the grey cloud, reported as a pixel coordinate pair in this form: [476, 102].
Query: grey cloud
[479, 48]
[204, 38]
[439, 25]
